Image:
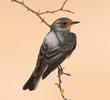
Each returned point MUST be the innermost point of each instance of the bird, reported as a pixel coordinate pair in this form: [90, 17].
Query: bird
[58, 44]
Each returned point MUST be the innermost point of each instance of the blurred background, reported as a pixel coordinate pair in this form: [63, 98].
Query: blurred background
[21, 35]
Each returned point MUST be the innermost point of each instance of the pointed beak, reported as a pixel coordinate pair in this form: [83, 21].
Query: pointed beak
[75, 22]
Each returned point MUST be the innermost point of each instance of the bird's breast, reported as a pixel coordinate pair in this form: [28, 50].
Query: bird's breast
[51, 40]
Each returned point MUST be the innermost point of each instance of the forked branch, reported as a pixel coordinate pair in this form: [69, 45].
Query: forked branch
[31, 10]
[37, 13]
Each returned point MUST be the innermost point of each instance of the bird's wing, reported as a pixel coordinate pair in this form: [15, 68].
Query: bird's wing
[70, 44]
[41, 61]
[57, 56]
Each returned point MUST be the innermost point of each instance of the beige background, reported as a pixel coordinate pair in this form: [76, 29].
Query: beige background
[21, 35]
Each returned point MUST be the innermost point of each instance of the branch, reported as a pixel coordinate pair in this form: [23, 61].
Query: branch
[31, 10]
[60, 9]
[41, 13]
[60, 72]
[63, 4]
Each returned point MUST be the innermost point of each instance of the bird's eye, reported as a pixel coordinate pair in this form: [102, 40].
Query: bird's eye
[64, 23]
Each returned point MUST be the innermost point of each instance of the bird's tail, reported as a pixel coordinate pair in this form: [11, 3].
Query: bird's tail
[32, 82]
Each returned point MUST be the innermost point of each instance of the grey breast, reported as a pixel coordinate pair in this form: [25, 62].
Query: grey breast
[54, 39]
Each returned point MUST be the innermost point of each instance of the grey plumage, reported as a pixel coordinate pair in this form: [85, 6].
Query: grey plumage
[58, 44]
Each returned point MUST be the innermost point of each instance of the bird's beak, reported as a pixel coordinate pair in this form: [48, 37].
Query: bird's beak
[75, 22]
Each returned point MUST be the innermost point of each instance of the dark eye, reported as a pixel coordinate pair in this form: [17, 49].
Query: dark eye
[64, 23]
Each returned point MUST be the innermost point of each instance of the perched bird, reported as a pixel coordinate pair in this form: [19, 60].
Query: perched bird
[57, 45]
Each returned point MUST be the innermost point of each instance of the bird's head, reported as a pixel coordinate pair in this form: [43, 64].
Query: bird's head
[63, 24]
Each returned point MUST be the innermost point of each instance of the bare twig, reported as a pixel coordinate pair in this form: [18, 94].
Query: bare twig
[31, 10]
[63, 4]
[60, 9]
[60, 72]
[41, 13]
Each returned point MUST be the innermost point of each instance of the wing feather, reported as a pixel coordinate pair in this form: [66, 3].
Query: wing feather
[56, 57]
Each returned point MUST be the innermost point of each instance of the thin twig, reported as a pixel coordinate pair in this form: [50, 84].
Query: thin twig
[45, 12]
[60, 9]
[31, 10]
[60, 72]
[54, 11]
[63, 4]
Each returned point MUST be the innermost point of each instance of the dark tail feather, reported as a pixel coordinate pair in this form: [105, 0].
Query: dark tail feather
[32, 82]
